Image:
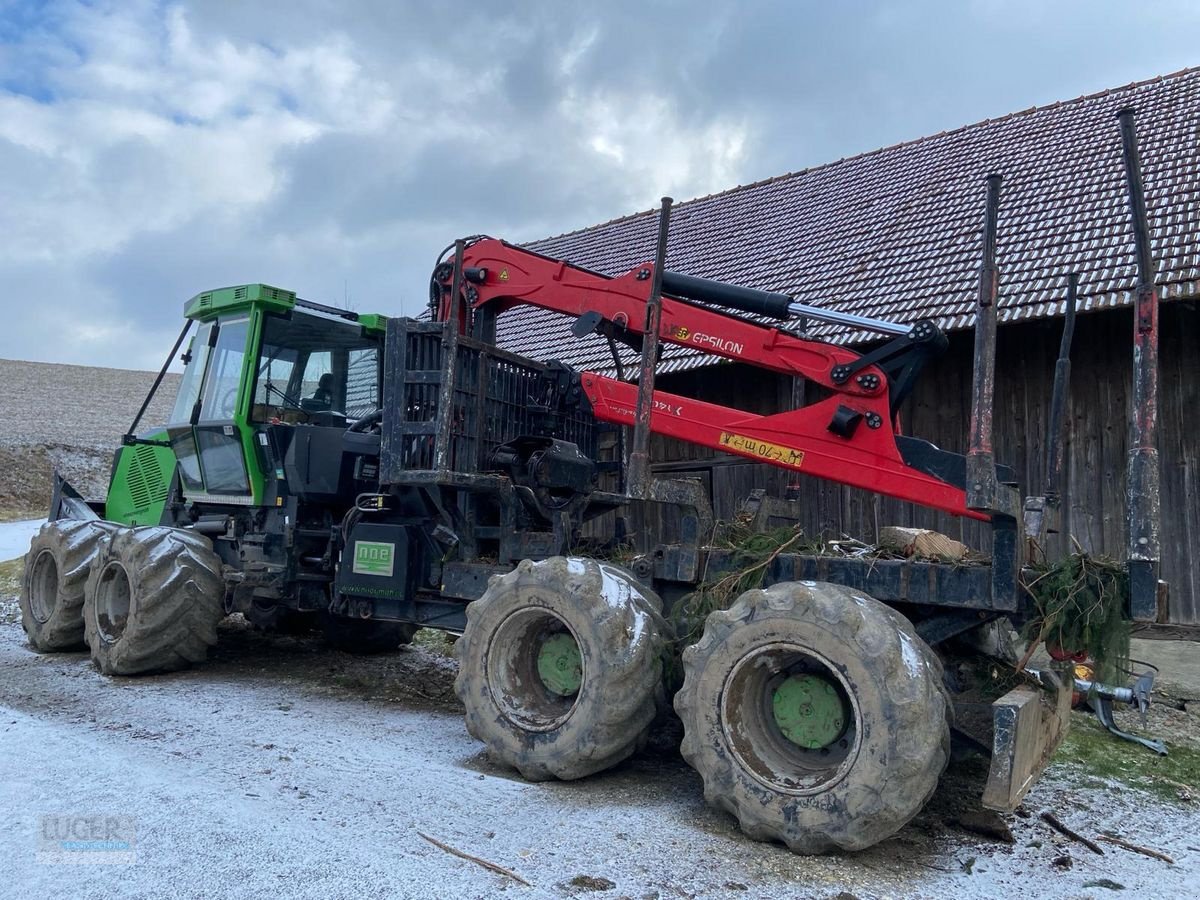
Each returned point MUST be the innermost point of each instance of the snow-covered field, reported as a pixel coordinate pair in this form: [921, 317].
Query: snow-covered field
[76, 406]
[70, 418]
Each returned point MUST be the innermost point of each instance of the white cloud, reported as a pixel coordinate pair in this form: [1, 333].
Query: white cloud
[143, 126]
[655, 150]
[149, 151]
[150, 130]
[155, 130]
[162, 149]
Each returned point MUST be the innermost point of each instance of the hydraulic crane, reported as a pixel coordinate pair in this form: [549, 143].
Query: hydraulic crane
[852, 436]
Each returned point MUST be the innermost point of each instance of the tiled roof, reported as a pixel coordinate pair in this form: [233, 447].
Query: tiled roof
[896, 233]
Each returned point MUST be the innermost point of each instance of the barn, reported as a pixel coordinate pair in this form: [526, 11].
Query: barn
[896, 234]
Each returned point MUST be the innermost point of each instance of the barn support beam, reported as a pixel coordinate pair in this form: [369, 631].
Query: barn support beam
[638, 482]
[1143, 483]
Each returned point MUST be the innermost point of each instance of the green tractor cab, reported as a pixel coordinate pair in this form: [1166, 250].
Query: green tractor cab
[261, 364]
[272, 437]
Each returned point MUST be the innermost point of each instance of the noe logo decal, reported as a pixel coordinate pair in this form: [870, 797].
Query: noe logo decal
[373, 558]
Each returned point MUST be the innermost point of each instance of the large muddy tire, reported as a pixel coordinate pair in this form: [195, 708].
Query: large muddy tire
[815, 715]
[365, 636]
[56, 570]
[560, 667]
[153, 601]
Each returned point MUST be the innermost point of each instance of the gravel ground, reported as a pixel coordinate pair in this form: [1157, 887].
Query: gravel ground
[283, 767]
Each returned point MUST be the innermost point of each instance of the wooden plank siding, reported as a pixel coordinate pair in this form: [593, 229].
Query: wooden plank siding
[939, 409]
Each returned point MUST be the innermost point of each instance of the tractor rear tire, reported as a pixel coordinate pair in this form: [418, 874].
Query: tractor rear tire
[865, 741]
[56, 570]
[153, 601]
[365, 637]
[560, 667]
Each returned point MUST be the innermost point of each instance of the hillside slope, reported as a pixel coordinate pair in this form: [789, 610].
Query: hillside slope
[69, 417]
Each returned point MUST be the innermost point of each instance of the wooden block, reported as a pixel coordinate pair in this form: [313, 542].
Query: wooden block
[1028, 726]
[1015, 749]
[921, 542]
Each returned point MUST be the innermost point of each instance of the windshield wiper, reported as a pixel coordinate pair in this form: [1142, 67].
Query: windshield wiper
[268, 387]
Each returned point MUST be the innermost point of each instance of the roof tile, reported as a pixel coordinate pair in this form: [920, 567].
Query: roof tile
[896, 232]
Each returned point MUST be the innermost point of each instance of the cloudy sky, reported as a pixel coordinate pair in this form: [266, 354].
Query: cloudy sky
[151, 150]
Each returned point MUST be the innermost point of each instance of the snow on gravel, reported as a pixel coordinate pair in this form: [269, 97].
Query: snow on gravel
[283, 769]
[15, 537]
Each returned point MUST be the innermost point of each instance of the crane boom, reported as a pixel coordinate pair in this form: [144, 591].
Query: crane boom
[850, 436]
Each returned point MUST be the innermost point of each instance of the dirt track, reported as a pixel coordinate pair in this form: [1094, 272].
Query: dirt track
[283, 767]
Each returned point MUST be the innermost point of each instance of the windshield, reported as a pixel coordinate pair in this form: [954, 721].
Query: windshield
[312, 364]
[225, 371]
[193, 375]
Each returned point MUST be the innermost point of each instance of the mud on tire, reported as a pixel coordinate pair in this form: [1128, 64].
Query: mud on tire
[153, 601]
[863, 783]
[56, 570]
[561, 667]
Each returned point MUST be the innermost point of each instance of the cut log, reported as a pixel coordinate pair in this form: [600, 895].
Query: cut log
[921, 542]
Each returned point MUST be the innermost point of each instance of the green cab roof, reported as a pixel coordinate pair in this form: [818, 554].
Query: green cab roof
[243, 297]
[212, 303]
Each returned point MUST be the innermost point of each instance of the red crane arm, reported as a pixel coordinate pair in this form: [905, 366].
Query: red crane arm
[798, 440]
[517, 277]
[863, 454]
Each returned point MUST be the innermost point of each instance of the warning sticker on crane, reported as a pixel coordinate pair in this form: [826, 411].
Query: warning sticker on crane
[749, 446]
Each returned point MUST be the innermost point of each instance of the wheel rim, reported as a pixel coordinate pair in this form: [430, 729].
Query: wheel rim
[113, 600]
[790, 718]
[524, 673]
[560, 664]
[43, 586]
[810, 710]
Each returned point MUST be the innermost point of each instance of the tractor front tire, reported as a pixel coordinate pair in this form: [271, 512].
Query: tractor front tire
[153, 601]
[560, 667]
[56, 570]
[364, 637]
[815, 715]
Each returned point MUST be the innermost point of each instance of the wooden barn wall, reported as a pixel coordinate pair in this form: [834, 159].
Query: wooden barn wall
[939, 409]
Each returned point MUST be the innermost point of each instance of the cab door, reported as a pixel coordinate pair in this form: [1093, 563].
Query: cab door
[209, 441]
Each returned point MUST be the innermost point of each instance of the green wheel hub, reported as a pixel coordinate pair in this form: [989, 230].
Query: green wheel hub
[560, 665]
[810, 711]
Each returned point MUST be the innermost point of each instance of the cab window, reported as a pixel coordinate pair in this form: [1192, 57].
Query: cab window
[311, 364]
[179, 425]
[193, 376]
[225, 372]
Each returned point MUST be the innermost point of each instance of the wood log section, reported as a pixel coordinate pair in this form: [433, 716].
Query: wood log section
[921, 542]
